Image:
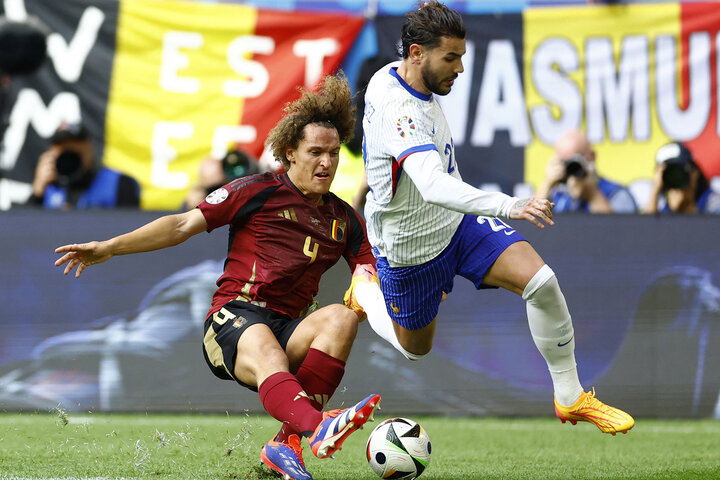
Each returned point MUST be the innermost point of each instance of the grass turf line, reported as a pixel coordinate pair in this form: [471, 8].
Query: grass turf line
[152, 446]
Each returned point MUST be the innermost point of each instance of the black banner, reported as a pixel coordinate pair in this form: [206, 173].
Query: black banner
[71, 86]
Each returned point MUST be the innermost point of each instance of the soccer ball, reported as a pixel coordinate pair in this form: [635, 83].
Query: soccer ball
[398, 448]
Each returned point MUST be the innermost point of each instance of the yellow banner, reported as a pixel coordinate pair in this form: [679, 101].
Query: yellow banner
[611, 51]
[167, 103]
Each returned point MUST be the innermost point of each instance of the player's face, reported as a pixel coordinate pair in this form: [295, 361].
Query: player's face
[314, 162]
[443, 64]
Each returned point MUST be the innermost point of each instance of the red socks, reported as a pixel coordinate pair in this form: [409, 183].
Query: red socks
[319, 375]
[315, 382]
[284, 399]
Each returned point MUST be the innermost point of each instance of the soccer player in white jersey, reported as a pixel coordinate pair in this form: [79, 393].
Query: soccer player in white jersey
[427, 226]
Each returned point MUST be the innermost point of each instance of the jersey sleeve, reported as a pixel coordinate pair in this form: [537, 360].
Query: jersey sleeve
[406, 129]
[440, 188]
[235, 201]
[358, 250]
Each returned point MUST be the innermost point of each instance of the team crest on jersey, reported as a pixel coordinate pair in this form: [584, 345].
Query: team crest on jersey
[218, 196]
[405, 126]
[239, 322]
[337, 230]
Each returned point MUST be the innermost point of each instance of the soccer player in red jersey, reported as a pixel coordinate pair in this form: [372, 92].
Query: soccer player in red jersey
[286, 229]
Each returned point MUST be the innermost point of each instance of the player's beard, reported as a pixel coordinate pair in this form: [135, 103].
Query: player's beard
[433, 83]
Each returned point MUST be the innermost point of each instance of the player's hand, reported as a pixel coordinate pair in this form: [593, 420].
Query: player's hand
[534, 210]
[82, 255]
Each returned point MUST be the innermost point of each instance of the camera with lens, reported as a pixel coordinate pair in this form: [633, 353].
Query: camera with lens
[575, 166]
[237, 164]
[676, 175]
[69, 166]
[69, 163]
[678, 163]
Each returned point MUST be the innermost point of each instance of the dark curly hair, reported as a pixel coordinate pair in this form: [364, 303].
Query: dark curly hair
[331, 105]
[428, 24]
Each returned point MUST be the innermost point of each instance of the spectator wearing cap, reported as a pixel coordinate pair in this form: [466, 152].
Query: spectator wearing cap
[66, 176]
[214, 173]
[572, 182]
[679, 186]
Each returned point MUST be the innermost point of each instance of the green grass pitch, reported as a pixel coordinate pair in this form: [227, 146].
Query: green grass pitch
[133, 446]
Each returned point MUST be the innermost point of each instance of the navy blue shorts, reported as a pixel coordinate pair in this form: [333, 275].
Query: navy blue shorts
[413, 294]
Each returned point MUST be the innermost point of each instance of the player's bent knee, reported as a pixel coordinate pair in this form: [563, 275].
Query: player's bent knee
[544, 276]
[341, 322]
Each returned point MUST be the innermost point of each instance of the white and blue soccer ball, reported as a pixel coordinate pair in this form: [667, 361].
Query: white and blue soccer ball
[398, 448]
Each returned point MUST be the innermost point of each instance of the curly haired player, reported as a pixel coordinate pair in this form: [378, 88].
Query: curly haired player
[286, 230]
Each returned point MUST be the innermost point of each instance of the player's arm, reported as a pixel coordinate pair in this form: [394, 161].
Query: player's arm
[160, 233]
[440, 188]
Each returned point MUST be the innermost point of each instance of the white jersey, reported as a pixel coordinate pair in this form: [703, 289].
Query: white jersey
[399, 121]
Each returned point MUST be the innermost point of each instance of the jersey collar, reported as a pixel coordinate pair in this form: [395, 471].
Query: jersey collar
[286, 180]
[411, 91]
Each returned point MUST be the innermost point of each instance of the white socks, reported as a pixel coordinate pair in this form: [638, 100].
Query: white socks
[552, 330]
[371, 299]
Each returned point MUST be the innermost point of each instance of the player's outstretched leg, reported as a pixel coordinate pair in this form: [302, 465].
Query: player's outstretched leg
[285, 458]
[589, 409]
[337, 425]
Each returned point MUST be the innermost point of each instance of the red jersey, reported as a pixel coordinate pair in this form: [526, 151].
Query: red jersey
[281, 242]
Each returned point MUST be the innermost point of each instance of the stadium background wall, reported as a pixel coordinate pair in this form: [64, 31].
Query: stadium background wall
[126, 336]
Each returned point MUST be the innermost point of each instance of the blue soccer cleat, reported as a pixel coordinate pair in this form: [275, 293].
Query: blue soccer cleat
[285, 459]
[337, 425]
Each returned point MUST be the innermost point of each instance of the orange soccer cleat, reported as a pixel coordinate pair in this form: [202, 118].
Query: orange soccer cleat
[589, 409]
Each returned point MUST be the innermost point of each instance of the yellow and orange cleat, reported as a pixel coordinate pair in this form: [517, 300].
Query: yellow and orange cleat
[589, 409]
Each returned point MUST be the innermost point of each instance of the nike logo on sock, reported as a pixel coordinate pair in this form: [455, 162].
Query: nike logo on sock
[563, 344]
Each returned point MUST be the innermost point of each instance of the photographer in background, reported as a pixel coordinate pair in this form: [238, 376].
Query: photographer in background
[679, 185]
[215, 173]
[572, 183]
[66, 176]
